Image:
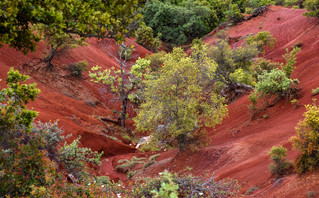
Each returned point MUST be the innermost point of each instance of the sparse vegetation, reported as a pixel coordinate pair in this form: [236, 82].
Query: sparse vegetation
[261, 40]
[76, 69]
[295, 103]
[125, 166]
[280, 166]
[307, 141]
[315, 91]
[311, 194]
[251, 190]
[188, 186]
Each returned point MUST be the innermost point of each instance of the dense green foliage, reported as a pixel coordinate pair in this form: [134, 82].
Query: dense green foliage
[76, 69]
[75, 159]
[307, 140]
[145, 37]
[179, 23]
[290, 58]
[29, 155]
[62, 22]
[184, 186]
[313, 7]
[233, 65]
[275, 82]
[281, 165]
[261, 40]
[179, 101]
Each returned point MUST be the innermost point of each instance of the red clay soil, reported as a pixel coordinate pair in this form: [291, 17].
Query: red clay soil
[238, 146]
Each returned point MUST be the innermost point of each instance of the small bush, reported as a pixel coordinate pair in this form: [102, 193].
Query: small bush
[290, 58]
[188, 186]
[262, 39]
[52, 135]
[295, 103]
[307, 141]
[168, 187]
[261, 64]
[157, 59]
[249, 10]
[125, 52]
[280, 165]
[251, 190]
[75, 159]
[297, 44]
[125, 165]
[311, 194]
[315, 91]
[151, 161]
[78, 68]
[144, 37]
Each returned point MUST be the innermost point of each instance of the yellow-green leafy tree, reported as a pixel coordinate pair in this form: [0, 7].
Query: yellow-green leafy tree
[178, 101]
[307, 140]
[63, 20]
[121, 82]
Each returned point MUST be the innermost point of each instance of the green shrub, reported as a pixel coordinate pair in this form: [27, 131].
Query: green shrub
[290, 58]
[251, 190]
[168, 187]
[75, 159]
[179, 23]
[51, 135]
[151, 161]
[234, 14]
[259, 3]
[295, 102]
[144, 37]
[125, 165]
[261, 64]
[78, 68]
[280, 165]
[188, 186]
[307, 140]
[312, 6]
[262, 39]
[242, 77]
[157, 59]
[272, 83]
[249, 10]
[315, 91]
[125, 52]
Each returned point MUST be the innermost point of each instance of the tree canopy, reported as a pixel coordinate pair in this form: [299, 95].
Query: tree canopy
[177, 103]
[85, 18]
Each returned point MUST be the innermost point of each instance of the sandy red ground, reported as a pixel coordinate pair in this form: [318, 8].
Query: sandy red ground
[238, 147]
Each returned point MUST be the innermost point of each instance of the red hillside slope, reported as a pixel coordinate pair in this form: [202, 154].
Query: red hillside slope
[76, 103]
[239, 146]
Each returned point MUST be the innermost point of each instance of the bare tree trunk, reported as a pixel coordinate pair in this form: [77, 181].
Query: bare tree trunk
[53, 52]
[123, 114]
[49, 58]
